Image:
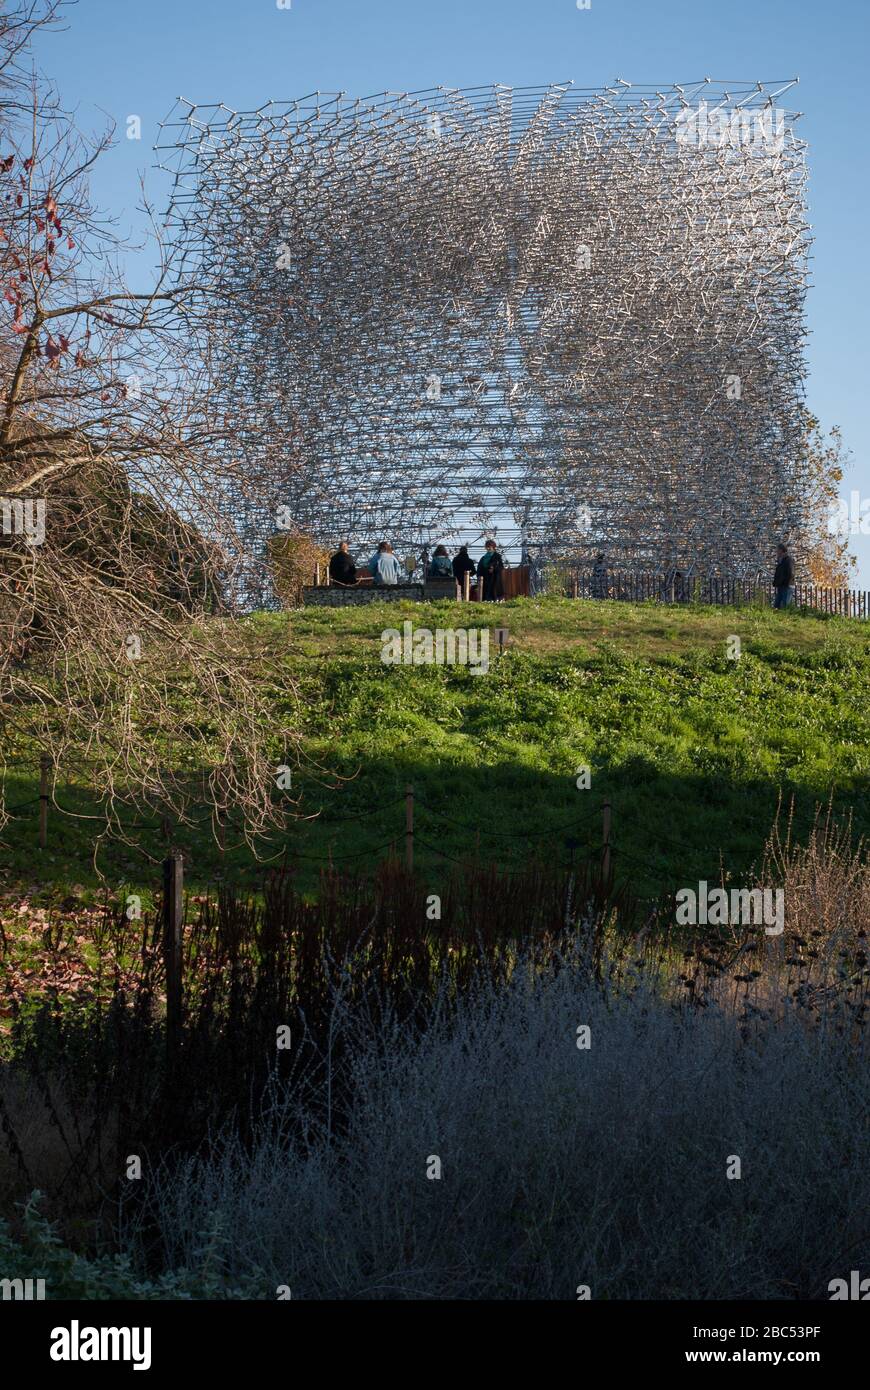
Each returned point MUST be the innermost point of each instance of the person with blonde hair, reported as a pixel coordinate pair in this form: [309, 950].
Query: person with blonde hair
[387, 570]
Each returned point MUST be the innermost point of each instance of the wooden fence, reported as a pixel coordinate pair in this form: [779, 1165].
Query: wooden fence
[637, 588]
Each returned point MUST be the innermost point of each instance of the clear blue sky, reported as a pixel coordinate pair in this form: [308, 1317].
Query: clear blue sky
[134, 57]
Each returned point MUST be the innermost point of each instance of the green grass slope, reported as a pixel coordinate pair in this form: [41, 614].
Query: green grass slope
[693, 750]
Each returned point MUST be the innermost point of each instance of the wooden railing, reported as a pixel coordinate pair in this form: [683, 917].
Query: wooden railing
[639, 588]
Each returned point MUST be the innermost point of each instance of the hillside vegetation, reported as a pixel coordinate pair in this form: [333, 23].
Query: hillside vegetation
[695, 751]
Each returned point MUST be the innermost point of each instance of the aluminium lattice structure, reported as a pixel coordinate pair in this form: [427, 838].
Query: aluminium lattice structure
[572, 318]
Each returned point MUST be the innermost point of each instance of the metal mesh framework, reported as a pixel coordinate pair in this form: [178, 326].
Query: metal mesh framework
[572, 318]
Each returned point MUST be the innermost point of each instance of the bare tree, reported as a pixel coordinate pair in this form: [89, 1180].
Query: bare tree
[115, 546]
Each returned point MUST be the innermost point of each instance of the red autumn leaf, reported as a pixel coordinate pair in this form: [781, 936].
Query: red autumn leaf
[28, 164]
[40, 225]
[105, 396]
[70, 244]
[51, 246]
[80, 359]
[6, 164]
[18, 200]
[12, 296]
[50, 206]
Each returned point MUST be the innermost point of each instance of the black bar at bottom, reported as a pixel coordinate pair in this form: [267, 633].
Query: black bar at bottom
[234, 1337]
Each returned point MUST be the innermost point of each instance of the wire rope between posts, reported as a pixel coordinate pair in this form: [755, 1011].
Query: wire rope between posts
[354, 854]
[635, 859]
[315, 818]
[19, 805]
[573, 824]
[435, 849]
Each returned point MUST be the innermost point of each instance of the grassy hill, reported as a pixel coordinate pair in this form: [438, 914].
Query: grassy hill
[693, 750]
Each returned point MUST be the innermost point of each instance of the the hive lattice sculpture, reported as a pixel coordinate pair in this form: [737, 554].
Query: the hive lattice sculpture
[572, 317]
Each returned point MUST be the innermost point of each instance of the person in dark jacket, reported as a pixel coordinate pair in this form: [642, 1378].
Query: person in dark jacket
[599, 582]
[342, 569]
[462, 565]
[783, 579]
[489, 573]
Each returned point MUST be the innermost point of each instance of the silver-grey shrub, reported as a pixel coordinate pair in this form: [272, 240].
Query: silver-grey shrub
[560, 1166]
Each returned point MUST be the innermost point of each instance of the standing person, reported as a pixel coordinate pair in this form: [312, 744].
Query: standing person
[342, 569]
[462, 565]
[489, 573]
[598, 586]
[372, 564]
[783, 579]
[440, 566]
[387, 568]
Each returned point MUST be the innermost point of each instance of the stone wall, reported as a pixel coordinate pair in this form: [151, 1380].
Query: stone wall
[333, 596]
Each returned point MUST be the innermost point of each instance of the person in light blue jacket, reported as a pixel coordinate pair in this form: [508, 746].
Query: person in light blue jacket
[387, 569]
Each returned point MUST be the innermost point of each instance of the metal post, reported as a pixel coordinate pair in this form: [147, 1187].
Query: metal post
[44, 771]
[409, 828]
[605, 839]
[173, 915]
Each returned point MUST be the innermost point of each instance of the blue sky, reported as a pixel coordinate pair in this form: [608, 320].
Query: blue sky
[134, 57]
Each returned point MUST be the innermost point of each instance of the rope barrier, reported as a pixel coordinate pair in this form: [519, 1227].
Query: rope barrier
[355, 854]
[435, 849]
[352, 815]
[508, 834]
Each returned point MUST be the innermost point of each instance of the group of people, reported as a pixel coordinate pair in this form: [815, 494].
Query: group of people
[384, 569]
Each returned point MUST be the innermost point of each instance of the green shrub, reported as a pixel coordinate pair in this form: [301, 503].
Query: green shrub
[37, 1253]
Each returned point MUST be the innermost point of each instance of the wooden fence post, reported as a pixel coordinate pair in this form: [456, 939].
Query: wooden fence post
[466, 586]
[173, 915]
[605, 840]
[409, 828]
[44, 770]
